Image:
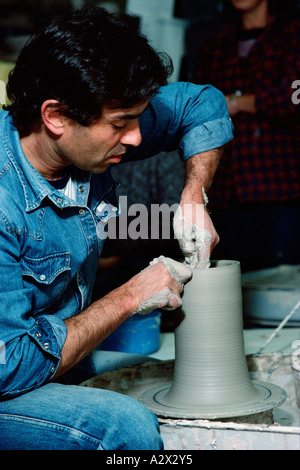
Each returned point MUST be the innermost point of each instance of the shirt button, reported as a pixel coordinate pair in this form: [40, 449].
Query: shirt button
[38, 334]
[81, 189]
[81, 211]
[59, 200]
[52, 369]
[42, 277]
[46, 345]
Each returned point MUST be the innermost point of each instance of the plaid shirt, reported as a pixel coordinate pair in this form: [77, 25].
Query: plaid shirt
[262, 163]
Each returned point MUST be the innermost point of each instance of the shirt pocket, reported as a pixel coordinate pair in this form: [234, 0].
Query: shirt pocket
[47, 277]
[106, 216]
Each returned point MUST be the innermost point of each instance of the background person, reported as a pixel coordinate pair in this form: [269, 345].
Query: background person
[255, 195]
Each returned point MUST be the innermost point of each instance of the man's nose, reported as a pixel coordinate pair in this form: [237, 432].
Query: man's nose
[132, 135]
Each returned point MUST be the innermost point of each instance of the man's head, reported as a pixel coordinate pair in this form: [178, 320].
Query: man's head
[282, 11]
[84, 61]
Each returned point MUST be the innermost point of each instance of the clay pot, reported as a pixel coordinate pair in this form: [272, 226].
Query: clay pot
[211, 378]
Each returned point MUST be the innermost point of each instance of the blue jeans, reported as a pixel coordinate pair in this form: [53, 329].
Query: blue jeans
[57, 416]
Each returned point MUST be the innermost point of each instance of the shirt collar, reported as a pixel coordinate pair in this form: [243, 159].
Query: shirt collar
[36, 188]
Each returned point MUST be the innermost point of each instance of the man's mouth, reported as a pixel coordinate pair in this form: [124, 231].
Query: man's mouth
[116, 158]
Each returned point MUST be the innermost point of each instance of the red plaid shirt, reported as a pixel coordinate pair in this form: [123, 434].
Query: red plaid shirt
[262, 163]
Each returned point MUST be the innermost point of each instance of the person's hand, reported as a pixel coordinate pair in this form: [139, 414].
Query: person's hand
[232, 105]
[195, 233]
[159, 285]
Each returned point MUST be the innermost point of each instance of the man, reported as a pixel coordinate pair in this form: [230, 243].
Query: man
[87, 92]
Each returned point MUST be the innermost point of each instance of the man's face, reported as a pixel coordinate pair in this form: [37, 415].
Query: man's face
[95, 147]
[247, 5]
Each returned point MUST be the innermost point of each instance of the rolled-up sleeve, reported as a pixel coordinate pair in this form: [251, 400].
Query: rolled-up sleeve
[184, 116]
[31, 347]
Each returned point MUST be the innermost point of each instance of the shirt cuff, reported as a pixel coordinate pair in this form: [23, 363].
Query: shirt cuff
[49, 333]
[208, 136]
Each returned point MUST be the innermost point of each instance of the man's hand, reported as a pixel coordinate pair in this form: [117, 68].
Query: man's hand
[160, 285]
[195, 233]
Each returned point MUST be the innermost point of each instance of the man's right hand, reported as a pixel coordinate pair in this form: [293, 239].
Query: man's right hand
[159, 285]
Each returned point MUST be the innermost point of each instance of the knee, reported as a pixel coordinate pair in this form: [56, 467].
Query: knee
[134, 427]
[145, 430]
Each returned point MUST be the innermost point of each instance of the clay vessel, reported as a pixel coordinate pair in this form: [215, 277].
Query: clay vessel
[211, 378]
[210, 364]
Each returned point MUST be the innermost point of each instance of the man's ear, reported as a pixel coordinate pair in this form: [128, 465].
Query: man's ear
[52, 117]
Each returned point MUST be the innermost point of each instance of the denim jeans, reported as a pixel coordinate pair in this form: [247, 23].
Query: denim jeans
[57, 416]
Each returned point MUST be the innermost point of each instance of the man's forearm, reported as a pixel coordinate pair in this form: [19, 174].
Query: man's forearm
[200, 170]
[238, 104]
[155, 285]
[90, 327]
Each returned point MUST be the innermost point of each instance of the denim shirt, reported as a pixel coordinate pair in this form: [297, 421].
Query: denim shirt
[49, 248]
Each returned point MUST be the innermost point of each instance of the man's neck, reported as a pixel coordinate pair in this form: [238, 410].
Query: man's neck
[40, 154]
[258, 17]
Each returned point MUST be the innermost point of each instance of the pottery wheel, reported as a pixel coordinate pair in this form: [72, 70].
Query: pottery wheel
[269, 396]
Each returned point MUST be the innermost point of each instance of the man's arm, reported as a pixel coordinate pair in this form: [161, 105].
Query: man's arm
[158, 286]
[193, 226]
[238, 104]
[193, 119]
[200, 170]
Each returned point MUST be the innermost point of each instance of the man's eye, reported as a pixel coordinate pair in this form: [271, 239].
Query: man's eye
[119, 127]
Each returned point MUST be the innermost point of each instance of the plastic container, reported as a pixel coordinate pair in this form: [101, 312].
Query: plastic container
[270, 294]
[139, 334]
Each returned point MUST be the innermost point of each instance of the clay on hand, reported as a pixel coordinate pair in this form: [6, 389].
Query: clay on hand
[166, 299]
[195, 241]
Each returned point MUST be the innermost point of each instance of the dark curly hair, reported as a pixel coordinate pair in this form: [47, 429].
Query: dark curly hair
[84, 60]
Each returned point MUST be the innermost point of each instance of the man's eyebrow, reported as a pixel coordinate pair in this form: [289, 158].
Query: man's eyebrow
[129, 117]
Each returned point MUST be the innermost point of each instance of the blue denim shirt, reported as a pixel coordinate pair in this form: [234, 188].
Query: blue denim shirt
[49, 249]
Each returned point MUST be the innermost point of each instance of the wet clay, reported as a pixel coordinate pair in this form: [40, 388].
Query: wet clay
[165, 298]
[211, 378]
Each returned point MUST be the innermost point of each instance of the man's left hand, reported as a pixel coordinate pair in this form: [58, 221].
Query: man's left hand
[195, 233]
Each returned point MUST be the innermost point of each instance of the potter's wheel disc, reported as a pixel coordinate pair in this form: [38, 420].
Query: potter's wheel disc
[270, 396]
